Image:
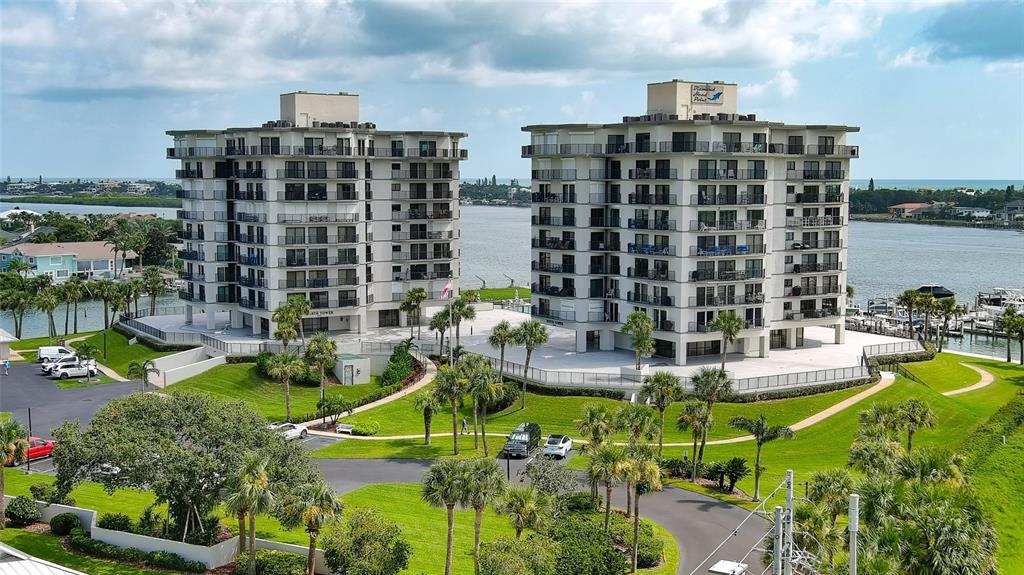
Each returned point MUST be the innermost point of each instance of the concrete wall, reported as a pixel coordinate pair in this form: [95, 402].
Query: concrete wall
[48, 510]
[178, 366]
[213, 557]
[319, 565]
[361, 369]
[302, 108]
[172, 376]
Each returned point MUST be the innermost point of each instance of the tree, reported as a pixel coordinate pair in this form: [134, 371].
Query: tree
[141, 371]
[1007, 322]
[449, 388]
[644, 474]
[484, 387]
[47, 301]
[710, 385]
[608, 463]
[696, 417]
[530, 334]
[915, 415]
[535, 555]
[20, 267]
[640, 328]
[1016, 329]
[763, 432]
[367, 543]
[285, 318]
[414, 299]
[595, 425]
[871, 184]
[153, 285]
[17, 300]
[444, 486]
[312, 507]
[427, 403]
[908, 299]
[72, 291]
[526, 507]
[927, 304]
[662, 388]
[484, 484]
[460, 310]
[849, 293]
[86, 352]
[13, 450]
[638, 422]
[947, 309]
[300, 309]
[284, 367]
[831, 489]
[730, 325]
[321, 353]
[252, 495]
[502, 335]
[439, 322]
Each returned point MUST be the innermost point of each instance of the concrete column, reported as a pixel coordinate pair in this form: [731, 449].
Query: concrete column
[255, 325]
[211, 319]
[765, 344]
[680, 353]
[581, 340]
[607, 340]
[840, 333]
[791, 338]
[237, 321]
[188, 315]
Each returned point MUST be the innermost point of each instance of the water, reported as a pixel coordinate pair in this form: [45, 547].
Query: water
[166, 213]
[938, 184]
[90, 317]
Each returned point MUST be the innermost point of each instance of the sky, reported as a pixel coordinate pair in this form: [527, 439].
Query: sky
[88, 88]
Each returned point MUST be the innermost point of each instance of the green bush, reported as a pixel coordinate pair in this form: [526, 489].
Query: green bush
[585, 548]
[579, 502]
[62, 524]
[116, 522]
[982, 441]
[675, 467]
[47, 493]
[366, 429]
[240, 359]
[379, 393]
[796, 392]
[133, 555]
[22, 511]
[173, 562]
[270, 562]
[79, 540]
[400, 366]
[577, 391]
[649, 547]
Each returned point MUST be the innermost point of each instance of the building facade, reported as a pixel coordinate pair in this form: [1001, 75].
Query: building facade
[61, 260]
[316, 205]
[685, 213]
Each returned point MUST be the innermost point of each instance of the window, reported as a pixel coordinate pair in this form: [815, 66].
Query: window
[56, 260]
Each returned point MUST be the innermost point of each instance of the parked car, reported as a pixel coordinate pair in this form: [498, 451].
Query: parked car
[523, 440]
[74, 370]
[49, 365]
[51, 352]
[558, 446]
[289, 430]
[39, 448]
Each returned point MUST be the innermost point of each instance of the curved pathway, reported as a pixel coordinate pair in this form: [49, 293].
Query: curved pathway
[986, 379]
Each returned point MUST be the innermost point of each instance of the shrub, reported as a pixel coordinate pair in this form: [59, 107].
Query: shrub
[531, 555]
[579, 502]
[240, 359]
[133, 555]
[47, 493]
[22, 511]
[675, 467]
[263, 363]
[62, 524]
[379, 393]
[270, 562]
[585, 548]
[116, 522]
[80, 541]
[649, 547]
[366, 429]
[577, 391]
[982, 441]
[367, 542]
[173, 562]
[150, 523]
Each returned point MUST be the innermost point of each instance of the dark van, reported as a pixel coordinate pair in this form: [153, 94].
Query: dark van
[523, 440]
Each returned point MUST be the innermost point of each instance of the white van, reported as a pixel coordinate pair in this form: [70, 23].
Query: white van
[52, 352]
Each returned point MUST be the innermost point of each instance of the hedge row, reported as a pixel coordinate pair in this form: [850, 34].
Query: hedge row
[269, 562]
[80, 541]
[982, 442]
[797, 391]
[927, 354]
[150, 342]
[379, 393]
[578, 391]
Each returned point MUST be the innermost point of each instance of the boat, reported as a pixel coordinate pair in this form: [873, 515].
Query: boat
[996, 302]
[936, 291]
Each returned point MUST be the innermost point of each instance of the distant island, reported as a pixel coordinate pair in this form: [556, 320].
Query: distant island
[488, 192]
[127, 193]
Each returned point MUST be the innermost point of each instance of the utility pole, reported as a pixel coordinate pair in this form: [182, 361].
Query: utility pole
[854, 521]
[777, 547]
[787, 566]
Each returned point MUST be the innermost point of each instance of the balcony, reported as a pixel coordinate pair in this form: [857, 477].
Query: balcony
[422, 215]
[200, 152]
[647, 147]
[553, 268]
[724, 251]
[649, 224]
[420, 256]
[605, 197]
[247, 217]
[550, 290]
[812, 198]
[293, 174]
[335, 304]
[252, 282]
[192, 255]
[728, 174]
[436, 153]
[608, 222]
[189, 195]
[190, 215]
[653, 199]
[552, 244]
[420, 276]
[604, 270]
[650, 249]
[604, 293]
[656, 275]
[726, 225]
[654, 174]
[598, 174]
[537, 150]
[195, 235]
[685, 147]
[817, 175]
[422, 195]
[740, 199]
[698, 327]
[313, 283]
[553, 175]
[832, 150]
[815, 245]
[739, 147]
[556, 315]
[727, 301]
[604, 246]
[552, 198]
[420, 236]
[317, 218]
[251, 303]
[250, 174]
[810, 314]
[250, 239]
[317, 262]
[648, 299]
[424, 175]
[814, 268]
[726, 275]
[186, 296]
[247, 260]
[318, 196]
[554, 222]
[814, 221]
[245, 195]
[191, 277]
[811, 291]
[223, 276]
[317, 240]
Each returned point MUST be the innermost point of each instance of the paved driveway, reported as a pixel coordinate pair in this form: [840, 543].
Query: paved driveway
[26, 387]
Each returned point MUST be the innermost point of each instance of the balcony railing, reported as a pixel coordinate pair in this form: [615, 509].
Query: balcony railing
[316, 262]
[816, 245]
[811, 198]
[442, 153]
[725, 275]
[335, 304]
[726, 225]
[422, 215]
[604, 270]
[557, 315]
[247, 260]
[654, 174]
[608, 222]
[653, 199]
[814, 221]
[422, 195]
[832, 150]
[810, 291]
[650, 224]
[194, 235]
[190, 215]
[561, 150]
[307, 174]
[699, 327]
[815, 174]
[247, 217]
[726, 301]
[420, 256]
[553, 244]
[252, 282]
[604, 246]
[245, 195]
[810, 314]
[192, 277]
[316, 240]
[728, 174]
[605, 197]
[186, 296]
[648, 299]
[722, 251]
[552, 198]
[194, 152]
[424, 175]
[610, 293]
[652, 275]
[598, 174]
[814, 268]
[550, 290]
[651, 249]
[421, 236]
[739, 147]
[420, 276]
[192, 255]
[568, 174]
[739, 199]
[318, 196]
[250, 174]
[250, 239]
[316, 283]
[549, 221]
[251, 303]
[553, 267]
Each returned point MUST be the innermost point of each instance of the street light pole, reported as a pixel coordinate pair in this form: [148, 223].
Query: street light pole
[788, 543]
[777, 547]
[854, 521]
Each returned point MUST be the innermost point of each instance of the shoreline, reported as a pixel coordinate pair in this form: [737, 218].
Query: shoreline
[109, 201]
[886, 219]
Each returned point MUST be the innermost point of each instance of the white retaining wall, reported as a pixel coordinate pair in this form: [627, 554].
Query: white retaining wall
[180, 359]
[48, 510]
[213, 556]
[319, 565]
[175, 375]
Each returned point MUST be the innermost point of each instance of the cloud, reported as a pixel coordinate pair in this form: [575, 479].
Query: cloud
[783, 85]
[424, 118]
[913, 57]
[581, 108]
[988, 31]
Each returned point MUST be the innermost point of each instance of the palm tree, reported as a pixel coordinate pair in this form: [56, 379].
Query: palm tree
[251, 494]
[72, 291]
[947, 309]
[596, 424]
[881, 416]
[17, 301]
[284, 317]
[321, 353]
[526, 507]
[638, 422]
[1005, 322]
[412, 306]
[763, 432]
[1017, 330]
[710, 385]
[13, 450]
[662, 388]
[313, 507]
[284, 367]
[428, 403]
[439, 322]
[300, 309]
[849, 294]
[132, 290]
[484, 484]
[142, 370]
[19, 266]
[696, 417]
[929, 305]
[47, 301]
[530, 334]
[449, 388]
[640, 328]
[644, 474]
[85, 352]
[608, 465]
[908, 299]
[444, 486]
[104, 290]
[501, 336]
[460, 310]
[831, 489]
[484, 387]
[153, 285]
[730, 325]
[915, 415]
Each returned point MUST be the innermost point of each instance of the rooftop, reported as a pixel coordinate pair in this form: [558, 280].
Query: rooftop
[83, 250]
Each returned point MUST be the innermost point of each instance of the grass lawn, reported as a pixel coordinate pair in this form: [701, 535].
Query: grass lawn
[407, 448]
[497, 294]
[1000, 483]
[79, 383]
[944, 373]
[239, 381]
[49, 548]
[35, 342]
[28, 356]
[119, 353]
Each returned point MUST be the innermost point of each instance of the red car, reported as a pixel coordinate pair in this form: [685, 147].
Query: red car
[39, 448]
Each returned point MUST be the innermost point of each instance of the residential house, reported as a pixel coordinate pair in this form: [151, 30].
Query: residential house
[908, 209]
[61, 260]
[972, 213]
[1012, 211]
